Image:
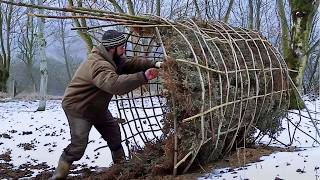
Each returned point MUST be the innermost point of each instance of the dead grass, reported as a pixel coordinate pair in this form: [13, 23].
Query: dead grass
[4, 95]
[143, 165]
[236, 159]
[27, 96]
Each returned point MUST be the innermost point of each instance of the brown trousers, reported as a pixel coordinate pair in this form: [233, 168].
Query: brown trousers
[80, 129]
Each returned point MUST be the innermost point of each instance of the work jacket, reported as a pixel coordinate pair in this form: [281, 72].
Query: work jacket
[99, 78]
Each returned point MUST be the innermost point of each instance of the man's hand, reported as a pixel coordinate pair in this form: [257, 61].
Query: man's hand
[151, 73]
[158, 65]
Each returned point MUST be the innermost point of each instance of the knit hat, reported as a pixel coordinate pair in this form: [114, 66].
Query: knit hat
[113, 38]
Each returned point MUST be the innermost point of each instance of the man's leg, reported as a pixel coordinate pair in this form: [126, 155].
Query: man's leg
[110, 132]
[79, 131]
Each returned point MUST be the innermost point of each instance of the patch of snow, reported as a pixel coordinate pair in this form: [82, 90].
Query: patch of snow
[49, 132]
[284, 165]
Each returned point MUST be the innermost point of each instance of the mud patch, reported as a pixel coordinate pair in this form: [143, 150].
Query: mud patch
[26, 146]
[6, 156]
[142, 166]
[7, 171]
[5, 135]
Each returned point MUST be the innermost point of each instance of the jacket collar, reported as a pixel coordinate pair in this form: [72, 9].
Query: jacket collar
[102, 51]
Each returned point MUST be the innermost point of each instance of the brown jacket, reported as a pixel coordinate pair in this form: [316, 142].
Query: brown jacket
[98, 79]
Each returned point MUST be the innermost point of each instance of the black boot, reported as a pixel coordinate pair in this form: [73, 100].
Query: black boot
[61, 171]
[118, 156]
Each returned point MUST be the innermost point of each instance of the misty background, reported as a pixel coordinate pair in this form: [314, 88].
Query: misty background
[65, 49]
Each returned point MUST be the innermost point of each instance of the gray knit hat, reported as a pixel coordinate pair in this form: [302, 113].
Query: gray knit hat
[113, 38]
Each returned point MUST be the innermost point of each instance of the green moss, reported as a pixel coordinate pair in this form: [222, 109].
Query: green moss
[295, 101]
[302, 5]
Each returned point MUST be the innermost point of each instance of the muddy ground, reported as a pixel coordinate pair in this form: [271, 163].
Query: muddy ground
[236, 161]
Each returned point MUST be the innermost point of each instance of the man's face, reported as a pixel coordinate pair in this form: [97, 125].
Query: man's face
[120, 51]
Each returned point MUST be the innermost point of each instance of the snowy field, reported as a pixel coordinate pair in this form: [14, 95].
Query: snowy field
[39, 137]
[299, 165]
[36, 137]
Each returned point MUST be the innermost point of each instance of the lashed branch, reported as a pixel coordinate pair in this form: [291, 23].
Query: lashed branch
[104, 18]
[92, 12]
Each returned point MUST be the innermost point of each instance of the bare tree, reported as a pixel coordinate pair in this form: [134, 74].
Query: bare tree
[258, 14]
[6, 13]
[312, 72]
[82, 23]
[27, 44]
[295, 39]
[116, 5]
[250, 17]
[198, 12]
[158, 8]
[43, 61]
[62, 35]
[227, 15]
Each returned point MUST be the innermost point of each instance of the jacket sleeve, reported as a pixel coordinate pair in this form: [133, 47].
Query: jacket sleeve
[104, 76]
[136, 64]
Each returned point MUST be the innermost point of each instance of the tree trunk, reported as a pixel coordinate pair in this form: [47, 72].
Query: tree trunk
[130, 7]
[43, 62]
[116, 5]
[5, 43]
[65, 55]
[295, 47]
[171, 9]
[303, 13]
[13, 88]
[312, 79]
[258, 18]
[29, 70]
[84, 36]
[29, 44]
[250, 17]
[159, 8]
[197, 9]
[226, 17]
[4, 75]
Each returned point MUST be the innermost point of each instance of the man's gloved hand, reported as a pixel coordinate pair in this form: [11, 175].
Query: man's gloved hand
[158, 65]
[151, 73]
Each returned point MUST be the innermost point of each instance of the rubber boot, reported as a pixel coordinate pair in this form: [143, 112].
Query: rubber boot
[62, 170]
[118, 156]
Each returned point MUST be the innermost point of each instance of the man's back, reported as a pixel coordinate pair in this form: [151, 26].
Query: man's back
[82, 96]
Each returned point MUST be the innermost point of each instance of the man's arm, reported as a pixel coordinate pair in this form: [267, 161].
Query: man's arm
[136, 64]
[104, 77]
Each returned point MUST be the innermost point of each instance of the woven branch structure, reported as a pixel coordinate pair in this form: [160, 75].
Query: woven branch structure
[220, 88]
[219, 85]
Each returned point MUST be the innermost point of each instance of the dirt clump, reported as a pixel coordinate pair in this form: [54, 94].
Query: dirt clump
[155, 159]
[26, 146]
[6, 156]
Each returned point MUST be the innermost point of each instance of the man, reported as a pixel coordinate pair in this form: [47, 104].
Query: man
[105, 73]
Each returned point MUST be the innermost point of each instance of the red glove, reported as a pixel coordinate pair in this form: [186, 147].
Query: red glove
[151, 73]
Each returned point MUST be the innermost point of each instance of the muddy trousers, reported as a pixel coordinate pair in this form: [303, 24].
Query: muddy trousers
[80, 129]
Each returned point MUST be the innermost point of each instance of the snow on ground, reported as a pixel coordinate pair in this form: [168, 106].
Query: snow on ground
[47, 133]
[298, 165]
[37, 137]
